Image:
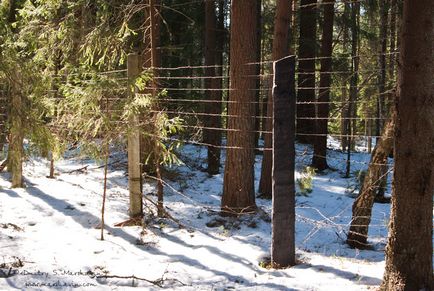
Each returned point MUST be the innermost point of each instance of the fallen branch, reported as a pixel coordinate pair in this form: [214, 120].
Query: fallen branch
[159, 282]
[81, 170]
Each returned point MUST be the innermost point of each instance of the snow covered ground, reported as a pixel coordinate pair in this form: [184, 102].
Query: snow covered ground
[49, 237]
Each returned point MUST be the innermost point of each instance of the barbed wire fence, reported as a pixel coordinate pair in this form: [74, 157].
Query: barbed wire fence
[188, 100]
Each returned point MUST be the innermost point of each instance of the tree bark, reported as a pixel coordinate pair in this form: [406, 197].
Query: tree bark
[306, 69]
[381, 104]
[362, 207]
[344, 99]
[280, 49]
[409, 249]
[319, 159]
[211, 136]
[238, 188]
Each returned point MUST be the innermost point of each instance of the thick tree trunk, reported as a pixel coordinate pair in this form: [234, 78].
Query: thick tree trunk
[238, 188]
[280, 49]
[409, 264]
[362, 207]
[319, 160]
[211, 136]
[306, 69]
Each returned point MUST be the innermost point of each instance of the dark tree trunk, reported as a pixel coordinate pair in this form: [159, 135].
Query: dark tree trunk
[409, 249]
[280, 49]
[306, 69]
[210, 136]
[319, 160]
[392, 46]
[381, 104]
[362, 207]
[352, 106]
[258, 72]
[238, 188]
[344, 99]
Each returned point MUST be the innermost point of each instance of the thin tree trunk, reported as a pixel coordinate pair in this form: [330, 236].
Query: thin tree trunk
[392, 47]
[154, 36]
[210, 136]
[409, 260]
[319, 160]
[344, 99]
[280, 49]
[381, 104]
[238, 188]
[352, 106]
[3, 117]
[258, 72]
[362, 207]
[306, 69]
[106, 155]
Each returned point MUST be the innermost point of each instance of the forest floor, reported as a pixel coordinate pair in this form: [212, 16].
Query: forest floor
[49, 236]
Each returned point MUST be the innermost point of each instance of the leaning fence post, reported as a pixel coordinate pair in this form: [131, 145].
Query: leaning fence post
[283, 213]
[134, 162]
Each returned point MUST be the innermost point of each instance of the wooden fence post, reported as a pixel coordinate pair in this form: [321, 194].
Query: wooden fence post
[134, 162]
[15, 155]
[283, 213]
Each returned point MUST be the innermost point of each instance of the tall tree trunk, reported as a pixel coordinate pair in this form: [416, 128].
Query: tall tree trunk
[306, 69]
[258, 72]
[280, 49]
[210, 136]
[362, 207]
[151, 57]
[409, 264]
[392, 46]
[381, 104]
[238, 188]
[344, 99]
[319, 160]
[352, 106]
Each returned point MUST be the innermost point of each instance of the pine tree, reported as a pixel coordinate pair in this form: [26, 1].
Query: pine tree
[409, 249]
[306, 69]
[238, 188]
[319, 160]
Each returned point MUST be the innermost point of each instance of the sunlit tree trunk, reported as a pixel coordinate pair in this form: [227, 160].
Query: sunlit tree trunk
[238, 188]
[409, 264]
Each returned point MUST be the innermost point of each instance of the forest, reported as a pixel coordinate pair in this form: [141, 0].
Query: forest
[216, 145]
